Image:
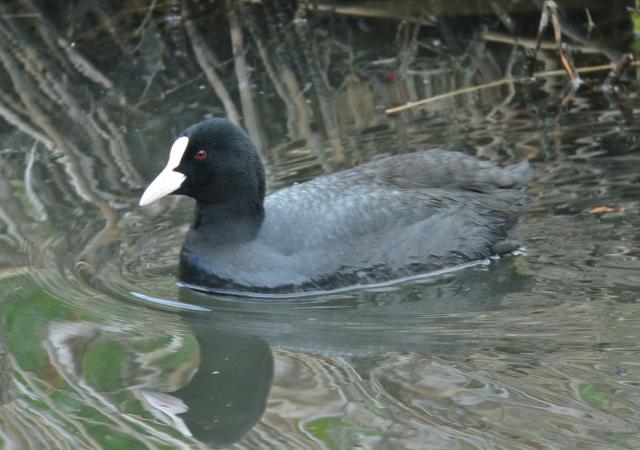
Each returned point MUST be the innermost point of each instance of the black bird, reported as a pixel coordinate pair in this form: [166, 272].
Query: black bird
[386, 219]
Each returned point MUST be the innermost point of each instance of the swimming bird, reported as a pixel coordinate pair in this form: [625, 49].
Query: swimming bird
[386, 219]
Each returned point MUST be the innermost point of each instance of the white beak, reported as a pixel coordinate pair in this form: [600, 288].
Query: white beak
[168, 180]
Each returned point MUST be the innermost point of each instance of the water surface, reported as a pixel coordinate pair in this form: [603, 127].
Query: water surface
[528, 352]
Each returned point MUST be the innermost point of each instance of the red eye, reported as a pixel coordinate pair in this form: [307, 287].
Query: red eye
[200, 155]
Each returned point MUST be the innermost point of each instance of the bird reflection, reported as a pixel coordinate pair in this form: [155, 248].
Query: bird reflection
[203, 377]
[228, 394]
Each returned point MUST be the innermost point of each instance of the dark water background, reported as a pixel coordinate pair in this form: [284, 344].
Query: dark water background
[539, 351]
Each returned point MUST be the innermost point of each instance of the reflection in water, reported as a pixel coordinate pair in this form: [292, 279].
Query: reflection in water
[228, 395]
[424, 316]
[92, 380]
[531, 352]
[84, 378]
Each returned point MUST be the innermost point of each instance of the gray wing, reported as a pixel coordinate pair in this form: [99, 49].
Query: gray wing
[441, 169]
[423, 210]
[393, 192]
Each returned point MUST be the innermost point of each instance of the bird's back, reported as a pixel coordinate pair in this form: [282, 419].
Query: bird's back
[389, 218]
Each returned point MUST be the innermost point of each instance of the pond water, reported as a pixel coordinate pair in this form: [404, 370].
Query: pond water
[100, 347]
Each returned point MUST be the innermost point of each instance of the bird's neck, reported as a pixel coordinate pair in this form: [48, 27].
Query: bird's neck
[230, 221]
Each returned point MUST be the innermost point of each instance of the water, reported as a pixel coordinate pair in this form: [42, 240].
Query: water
[529, 352]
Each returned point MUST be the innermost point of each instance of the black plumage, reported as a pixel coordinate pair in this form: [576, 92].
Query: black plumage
[386, 219]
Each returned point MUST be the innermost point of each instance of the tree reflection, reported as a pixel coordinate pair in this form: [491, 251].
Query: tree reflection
[91, 95]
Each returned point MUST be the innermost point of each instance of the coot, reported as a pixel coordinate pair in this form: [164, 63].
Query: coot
[386, 219]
